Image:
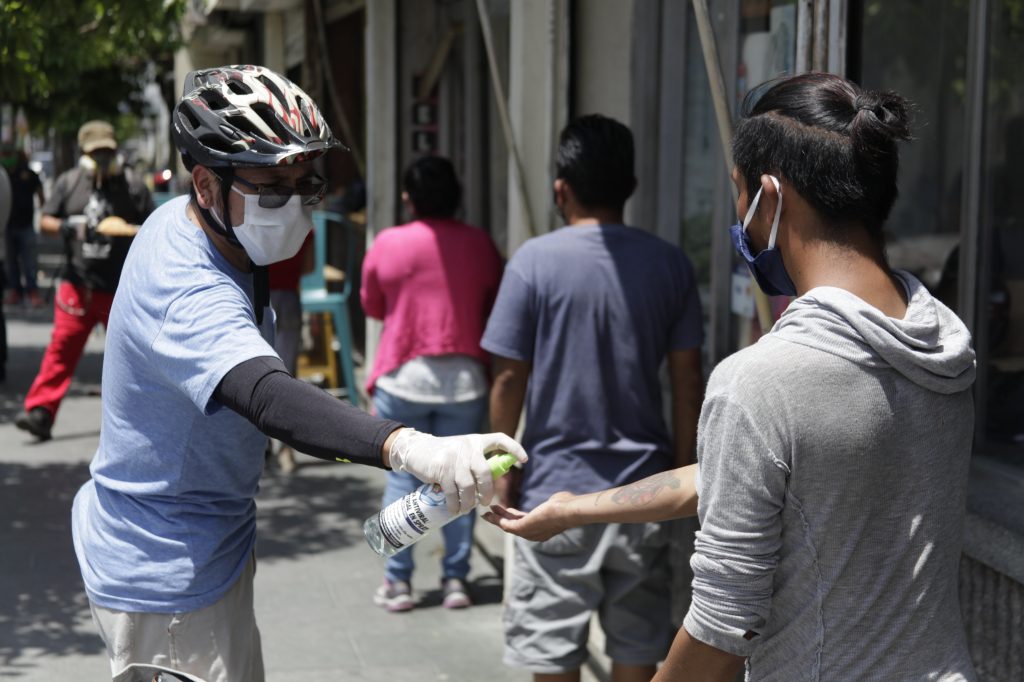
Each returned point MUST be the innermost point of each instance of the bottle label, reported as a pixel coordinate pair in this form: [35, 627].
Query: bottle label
[405, 521]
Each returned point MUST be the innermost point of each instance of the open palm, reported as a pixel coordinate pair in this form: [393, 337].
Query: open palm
[543, 522]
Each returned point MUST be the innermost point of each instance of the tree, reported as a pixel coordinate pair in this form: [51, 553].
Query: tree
[66, 61]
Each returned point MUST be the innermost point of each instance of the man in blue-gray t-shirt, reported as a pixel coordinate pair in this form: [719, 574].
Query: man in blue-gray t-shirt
[584, 319]
[165, 529]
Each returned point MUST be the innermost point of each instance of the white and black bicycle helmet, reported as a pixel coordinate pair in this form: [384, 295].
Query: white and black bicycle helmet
[247, 116]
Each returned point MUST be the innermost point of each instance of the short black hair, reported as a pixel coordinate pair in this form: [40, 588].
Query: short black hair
[432, 187]
[833, 141]
[595, 157]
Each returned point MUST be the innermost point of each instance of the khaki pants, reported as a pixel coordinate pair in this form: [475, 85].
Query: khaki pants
[219, 643]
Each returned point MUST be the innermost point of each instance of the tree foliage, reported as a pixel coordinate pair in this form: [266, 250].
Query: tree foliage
[65, 61]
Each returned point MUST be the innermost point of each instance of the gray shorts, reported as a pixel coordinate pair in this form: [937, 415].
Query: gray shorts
[620, 571]
[219, 643]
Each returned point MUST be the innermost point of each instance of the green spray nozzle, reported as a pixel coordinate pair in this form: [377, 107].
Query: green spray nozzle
[501, 464]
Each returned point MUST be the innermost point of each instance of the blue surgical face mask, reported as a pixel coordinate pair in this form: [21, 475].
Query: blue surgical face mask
[767, 267]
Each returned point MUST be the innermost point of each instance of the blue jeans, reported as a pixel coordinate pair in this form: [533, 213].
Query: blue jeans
[439, 419]
[21, 259]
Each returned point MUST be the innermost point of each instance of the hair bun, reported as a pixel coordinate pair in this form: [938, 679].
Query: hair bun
[878, 116]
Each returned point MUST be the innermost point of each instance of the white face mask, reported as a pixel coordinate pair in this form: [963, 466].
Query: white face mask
[270, 235]
[111, 165]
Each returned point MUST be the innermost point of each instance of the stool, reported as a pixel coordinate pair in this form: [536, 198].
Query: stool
[317, 299]
[321, 361]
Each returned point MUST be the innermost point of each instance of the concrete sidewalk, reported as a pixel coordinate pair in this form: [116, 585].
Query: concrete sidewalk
[314, 581]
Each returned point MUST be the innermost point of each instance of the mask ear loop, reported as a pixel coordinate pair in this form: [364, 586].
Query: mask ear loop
[778, 212]
[753, 207]
[222, 227]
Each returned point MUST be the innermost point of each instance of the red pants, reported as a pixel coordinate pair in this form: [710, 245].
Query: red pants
[76, 311]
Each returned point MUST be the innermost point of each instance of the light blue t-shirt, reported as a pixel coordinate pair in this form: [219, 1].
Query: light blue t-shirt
[595, 310]
[168, 520]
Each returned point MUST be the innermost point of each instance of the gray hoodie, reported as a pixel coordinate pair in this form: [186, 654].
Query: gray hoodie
[833, 467]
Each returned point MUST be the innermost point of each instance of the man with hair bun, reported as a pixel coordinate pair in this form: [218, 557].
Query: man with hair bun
[833, 453]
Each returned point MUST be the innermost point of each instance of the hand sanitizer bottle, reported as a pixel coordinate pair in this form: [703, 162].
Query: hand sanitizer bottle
[421, 512]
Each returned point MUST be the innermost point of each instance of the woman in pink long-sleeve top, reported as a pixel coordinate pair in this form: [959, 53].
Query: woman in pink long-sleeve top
[433, 282]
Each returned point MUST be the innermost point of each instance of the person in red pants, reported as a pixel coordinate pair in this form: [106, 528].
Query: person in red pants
[95, 207]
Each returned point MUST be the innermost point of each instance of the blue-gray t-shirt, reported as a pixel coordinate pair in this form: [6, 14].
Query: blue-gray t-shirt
[168, 520]
[595, 309]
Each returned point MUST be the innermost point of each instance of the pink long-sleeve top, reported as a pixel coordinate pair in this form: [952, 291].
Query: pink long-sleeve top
[433, 283]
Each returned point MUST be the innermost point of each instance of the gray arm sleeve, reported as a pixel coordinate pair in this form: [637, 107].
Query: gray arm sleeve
[742, 493]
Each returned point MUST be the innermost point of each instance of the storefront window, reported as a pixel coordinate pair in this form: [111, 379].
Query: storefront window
[767, 42]
[919, 49]
[1001, 349]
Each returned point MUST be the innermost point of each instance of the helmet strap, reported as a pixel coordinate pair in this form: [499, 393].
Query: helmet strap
[223, 228]
[261, 290]
[260, 274]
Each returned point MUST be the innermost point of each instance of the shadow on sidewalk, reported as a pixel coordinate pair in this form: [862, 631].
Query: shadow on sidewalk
[486, 589]
[319, 508]
[43, 608]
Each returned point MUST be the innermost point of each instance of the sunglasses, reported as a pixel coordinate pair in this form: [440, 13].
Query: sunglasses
[311, 189]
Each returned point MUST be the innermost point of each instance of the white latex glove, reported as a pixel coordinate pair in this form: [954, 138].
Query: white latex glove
[456, 463]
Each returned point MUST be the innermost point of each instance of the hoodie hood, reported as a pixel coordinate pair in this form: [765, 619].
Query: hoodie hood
[930, 346]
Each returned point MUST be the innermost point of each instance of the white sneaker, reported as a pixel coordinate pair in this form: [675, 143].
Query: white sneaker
[394, 596]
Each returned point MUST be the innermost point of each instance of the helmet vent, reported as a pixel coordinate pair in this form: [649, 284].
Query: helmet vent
[214, 99]
[276, 91]
[217, 143]
[238, 87]
[189, 115]
[304, 113]
[246, 126]
[270, 118]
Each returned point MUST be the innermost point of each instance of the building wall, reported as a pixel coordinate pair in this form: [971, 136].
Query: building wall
[602, 58]
[993, 610]
[538, 108]
[345, 51]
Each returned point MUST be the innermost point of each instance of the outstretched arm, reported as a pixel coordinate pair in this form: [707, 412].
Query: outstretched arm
[311, 421]
[49, 224]
[303, 416]
[694, 661]
[668, 495]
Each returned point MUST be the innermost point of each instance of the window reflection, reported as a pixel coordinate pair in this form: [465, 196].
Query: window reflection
[920, 50]
[1002, 281]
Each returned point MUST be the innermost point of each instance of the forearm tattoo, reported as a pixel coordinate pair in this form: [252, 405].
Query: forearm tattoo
[643, 492]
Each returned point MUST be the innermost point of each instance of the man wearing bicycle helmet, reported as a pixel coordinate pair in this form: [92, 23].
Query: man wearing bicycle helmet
[192, 387]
